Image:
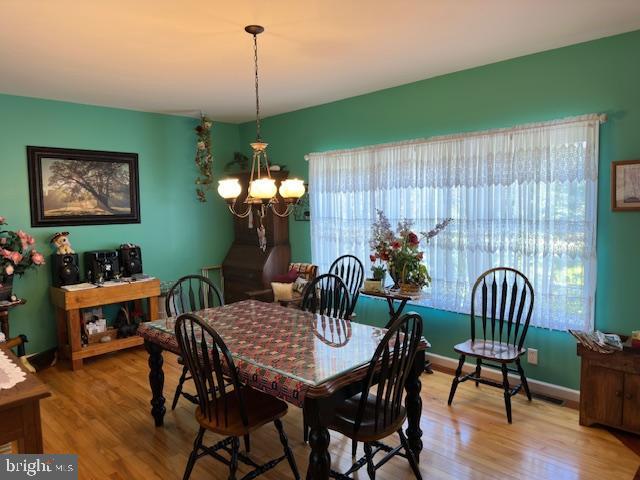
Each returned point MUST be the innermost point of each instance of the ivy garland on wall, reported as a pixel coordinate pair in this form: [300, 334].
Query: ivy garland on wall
[204, 158]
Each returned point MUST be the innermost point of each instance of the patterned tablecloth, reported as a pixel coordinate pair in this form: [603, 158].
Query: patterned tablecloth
[10, 373]
[281, 351]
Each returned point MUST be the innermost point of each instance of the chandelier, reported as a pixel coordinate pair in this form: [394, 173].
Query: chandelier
[262, 192]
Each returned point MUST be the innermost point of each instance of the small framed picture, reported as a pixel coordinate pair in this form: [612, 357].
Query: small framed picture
[82, 187]
[625, 185]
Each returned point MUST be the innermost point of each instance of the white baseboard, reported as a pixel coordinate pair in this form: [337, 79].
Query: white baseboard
[537, 386]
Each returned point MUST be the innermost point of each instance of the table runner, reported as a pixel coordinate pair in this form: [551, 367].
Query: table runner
[10, 373]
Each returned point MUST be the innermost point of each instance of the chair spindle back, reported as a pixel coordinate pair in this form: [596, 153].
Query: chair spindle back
[209, 362]
[389, 368]
[191, 294]
[351, 271]
[327, 295]
[506, 304]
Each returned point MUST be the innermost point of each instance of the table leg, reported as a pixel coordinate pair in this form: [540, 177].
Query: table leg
[31, 442]
[156, 381]
[153, 308]
[413, 404]
[319, 458]
[73, 331]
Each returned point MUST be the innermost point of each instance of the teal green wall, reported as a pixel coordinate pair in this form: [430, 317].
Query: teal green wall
[599, 76]
[178, 234]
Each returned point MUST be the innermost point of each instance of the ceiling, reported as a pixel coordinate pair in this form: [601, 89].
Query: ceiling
[187, 56]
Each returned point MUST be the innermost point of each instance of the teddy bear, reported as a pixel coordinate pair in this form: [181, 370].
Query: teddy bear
[60, 240]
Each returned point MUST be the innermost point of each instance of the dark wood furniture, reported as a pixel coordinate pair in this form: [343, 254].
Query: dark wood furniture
[369, 417]
[610, 388]
[232, 413]
[305, 371]
[506, 304]
[351, 271]
[4, 315]
[69, 303]
[396, 302]
[20, 411]
[190, 294]
[246, 267]
[327, 295]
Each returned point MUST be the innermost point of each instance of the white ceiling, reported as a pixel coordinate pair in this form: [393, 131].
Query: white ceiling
[184, 56]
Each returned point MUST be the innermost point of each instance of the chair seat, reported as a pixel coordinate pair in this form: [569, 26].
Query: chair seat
[497, 351]
[261, 409]
[345, 418]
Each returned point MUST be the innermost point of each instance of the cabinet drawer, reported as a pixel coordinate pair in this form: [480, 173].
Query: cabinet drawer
[631, 406]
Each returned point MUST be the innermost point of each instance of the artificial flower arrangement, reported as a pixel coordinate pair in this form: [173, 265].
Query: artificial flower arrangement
[204, 158]
[17, 255]
[401, 252]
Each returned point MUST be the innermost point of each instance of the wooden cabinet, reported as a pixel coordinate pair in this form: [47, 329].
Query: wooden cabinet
[610, 389]
[246, 267]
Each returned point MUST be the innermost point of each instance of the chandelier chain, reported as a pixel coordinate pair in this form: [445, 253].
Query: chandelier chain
[255, 59]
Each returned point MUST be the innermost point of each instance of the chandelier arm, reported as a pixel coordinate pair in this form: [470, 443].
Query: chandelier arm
[232, 209]
[288, 210]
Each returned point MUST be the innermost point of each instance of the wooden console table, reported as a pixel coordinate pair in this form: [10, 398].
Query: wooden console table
[610, 388]
[20, 411]
[68, 306]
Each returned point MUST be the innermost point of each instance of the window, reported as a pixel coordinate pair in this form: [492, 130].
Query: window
[524, 197]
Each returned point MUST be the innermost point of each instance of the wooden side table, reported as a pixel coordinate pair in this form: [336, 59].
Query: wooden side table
[4, 315]
[69, 303]
[20, 412]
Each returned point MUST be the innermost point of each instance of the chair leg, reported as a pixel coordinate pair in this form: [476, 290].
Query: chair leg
[354, 448]
[233, 463]
[176, 396]
[507, 391]
[455, 382]
[368, 452]
[523, 379]
[247, 443]
[410, 456]
[287, 450]
[194, 454]
[305, 429]
[478, 369]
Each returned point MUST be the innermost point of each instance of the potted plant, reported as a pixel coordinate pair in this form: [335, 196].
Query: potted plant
[379, 272]
[17, 255]
[401, 251]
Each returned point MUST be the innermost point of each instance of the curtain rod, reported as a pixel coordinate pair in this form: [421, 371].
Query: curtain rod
[600, 117]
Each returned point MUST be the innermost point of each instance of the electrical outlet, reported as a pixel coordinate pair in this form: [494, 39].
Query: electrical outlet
[532, 356]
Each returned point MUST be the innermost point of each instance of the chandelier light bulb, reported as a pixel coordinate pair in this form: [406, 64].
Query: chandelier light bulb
[263, 188]
[229, 188]
[292, 188]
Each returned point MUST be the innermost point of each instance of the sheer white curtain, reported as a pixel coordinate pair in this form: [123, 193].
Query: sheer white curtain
[524, 197]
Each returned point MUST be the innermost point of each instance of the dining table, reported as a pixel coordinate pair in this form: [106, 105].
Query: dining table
[311, 361]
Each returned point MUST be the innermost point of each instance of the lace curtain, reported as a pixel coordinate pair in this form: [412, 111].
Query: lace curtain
[524, 197]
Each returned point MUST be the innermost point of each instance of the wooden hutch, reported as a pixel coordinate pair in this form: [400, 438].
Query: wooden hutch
[246, 267]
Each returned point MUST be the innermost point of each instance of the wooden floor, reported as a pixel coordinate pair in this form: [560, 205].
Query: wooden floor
[102, 414]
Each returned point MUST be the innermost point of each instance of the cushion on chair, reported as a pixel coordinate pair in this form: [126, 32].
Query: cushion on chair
[261, 408]
[345, 418]
[498, 351]
[288, 277]
[308, 271]
[282, 291]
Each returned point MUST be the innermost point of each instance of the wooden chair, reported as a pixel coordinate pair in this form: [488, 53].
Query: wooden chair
[190, 294]
[369, 417]
[232, 413]
[505, 311]
[351, 271]
[327, 295]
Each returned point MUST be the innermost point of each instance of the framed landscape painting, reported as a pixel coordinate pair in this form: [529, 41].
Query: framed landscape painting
[82, 187]
[625, 185]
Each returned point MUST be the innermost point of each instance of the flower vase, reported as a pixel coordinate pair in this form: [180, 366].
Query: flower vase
[394, 276]
[6, 289]
[373, 285]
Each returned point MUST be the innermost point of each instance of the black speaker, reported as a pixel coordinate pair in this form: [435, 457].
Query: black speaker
[65, 269]
[101, 265]
[130, 259]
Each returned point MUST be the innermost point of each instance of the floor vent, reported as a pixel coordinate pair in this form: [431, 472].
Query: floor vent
[546, 398]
